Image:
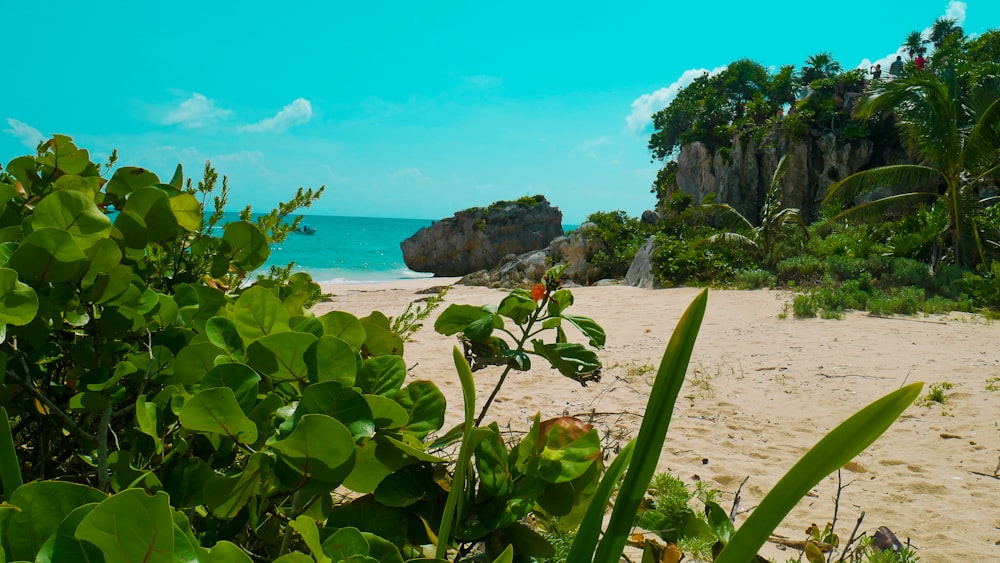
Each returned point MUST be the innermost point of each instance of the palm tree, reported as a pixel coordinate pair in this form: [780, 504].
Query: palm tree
[914, 44]
[943, 28]
[951, 122]
[762, 238]
[820, 65]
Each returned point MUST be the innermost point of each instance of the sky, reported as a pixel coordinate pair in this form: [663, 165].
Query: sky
[407, 109]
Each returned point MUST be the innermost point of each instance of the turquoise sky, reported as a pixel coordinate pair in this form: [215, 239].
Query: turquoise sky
[407, 109]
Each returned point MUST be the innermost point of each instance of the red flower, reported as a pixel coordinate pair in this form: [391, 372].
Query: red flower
[538, 292]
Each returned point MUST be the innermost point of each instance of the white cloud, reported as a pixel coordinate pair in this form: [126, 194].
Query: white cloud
[956, 11]
[413, 175]
[646, 105]
[296, 113]
[28, 135]
[196, 111]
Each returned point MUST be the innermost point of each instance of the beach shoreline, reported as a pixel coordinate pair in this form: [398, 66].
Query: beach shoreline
[763, 387]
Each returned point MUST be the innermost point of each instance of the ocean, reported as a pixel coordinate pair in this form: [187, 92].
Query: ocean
[348, 249]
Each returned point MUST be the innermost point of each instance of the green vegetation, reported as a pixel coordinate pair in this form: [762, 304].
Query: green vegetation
[937, 394]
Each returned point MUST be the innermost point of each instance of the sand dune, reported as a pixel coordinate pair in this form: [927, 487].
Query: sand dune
[760, 391]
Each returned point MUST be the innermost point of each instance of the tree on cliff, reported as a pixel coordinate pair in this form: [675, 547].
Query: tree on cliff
[950, 120]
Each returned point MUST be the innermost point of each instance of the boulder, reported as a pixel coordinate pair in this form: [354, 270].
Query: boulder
[479, 238]
[640, 273]
[525, 270]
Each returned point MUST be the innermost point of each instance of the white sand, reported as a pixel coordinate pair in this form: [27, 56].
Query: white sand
[760, 391]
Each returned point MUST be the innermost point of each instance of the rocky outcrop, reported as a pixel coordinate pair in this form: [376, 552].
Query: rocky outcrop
[525, 270]
[481, 237]
[740, 175]
[640, 273]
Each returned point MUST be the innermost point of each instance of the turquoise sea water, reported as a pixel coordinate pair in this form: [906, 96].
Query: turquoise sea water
[349, 249]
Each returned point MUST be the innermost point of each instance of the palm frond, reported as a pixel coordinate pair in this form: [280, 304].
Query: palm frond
[877, 208]
[895, 179]
[733, 240]
[982, 145]
[728, 216]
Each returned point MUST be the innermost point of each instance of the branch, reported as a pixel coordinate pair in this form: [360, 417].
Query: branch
[52, 407]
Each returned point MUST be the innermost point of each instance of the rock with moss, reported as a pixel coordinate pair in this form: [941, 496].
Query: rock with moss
[481, 237]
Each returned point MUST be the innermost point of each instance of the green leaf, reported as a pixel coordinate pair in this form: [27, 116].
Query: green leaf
[369, 516]
[216, 410]
[480, 329]
[147, 416]
[837, 448]
[425, 405]
[589, 328]
[130, 527]
[187, 211]
[344, 543]
[589, 531]
[493, 462]
[248, 245]
[559, 302]
[44, 505]
[225, 496]
[74, 213]
[342, 403]
[318, 455]
[653, 431]
[386, 413]
[129, 178]
[226, 552]
[258, 313]
[222, 332]
[130, 228]
[406, 486]
[381, 375]
[379, 338]
[306, 527]
[456, 318]
[238, 377]
[571, 359]
[63, 545]
[153, 206]
[10, 467]
[452, 505]
[194, 361]
[332, 359]
[344, 326]
[517, 306]
[18, 301]
[49, 255]
[281, 356]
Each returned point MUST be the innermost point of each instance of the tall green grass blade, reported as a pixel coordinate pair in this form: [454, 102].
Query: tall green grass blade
[589, 530]
[10, 469]
[653, 431]
[832, 452]
[464, 454]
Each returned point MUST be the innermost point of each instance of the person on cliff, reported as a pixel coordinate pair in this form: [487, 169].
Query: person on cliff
[920, 61]
[877, 72]
[896, 68]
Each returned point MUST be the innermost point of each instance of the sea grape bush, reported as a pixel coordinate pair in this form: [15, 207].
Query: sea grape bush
[162, 407]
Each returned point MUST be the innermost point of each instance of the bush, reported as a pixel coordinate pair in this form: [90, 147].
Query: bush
[755, 279]
[622, 237]
[805, 269]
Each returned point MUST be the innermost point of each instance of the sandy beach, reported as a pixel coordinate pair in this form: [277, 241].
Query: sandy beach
[761, 390]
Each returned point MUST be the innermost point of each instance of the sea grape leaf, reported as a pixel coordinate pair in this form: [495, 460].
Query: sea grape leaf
[295, 557]
[589, 328]
[407, 486]
[248, 245]
[132, 228]
[386, 413]
[258, 313]
[153, 206]
[344, 326]
[425, 406]
[194, 361]
[185, 481]
[369, 516]
[345, 543]
[199, 303]
[65, 156]
[73, 212]
[49, 255]
[18, 301]
[147, 416]
[177, 180]
[281, 355]
[379, 338]
[332, 359]
[222, 332]
[238, 377]
[306, 527]
[517, 306]
[375, 460]
[129, 178]
[225, 496]
[216, 410]
[63, 545]
[318, 455]
[342, 403]
[43, 506]
[187, 211]
[493, 463]
[226, 552]
[381, 375]
[131, 526]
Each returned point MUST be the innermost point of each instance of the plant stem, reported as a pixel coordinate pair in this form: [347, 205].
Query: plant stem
[286, 542]
[103, 471]
[525, 335]
[53, 408]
